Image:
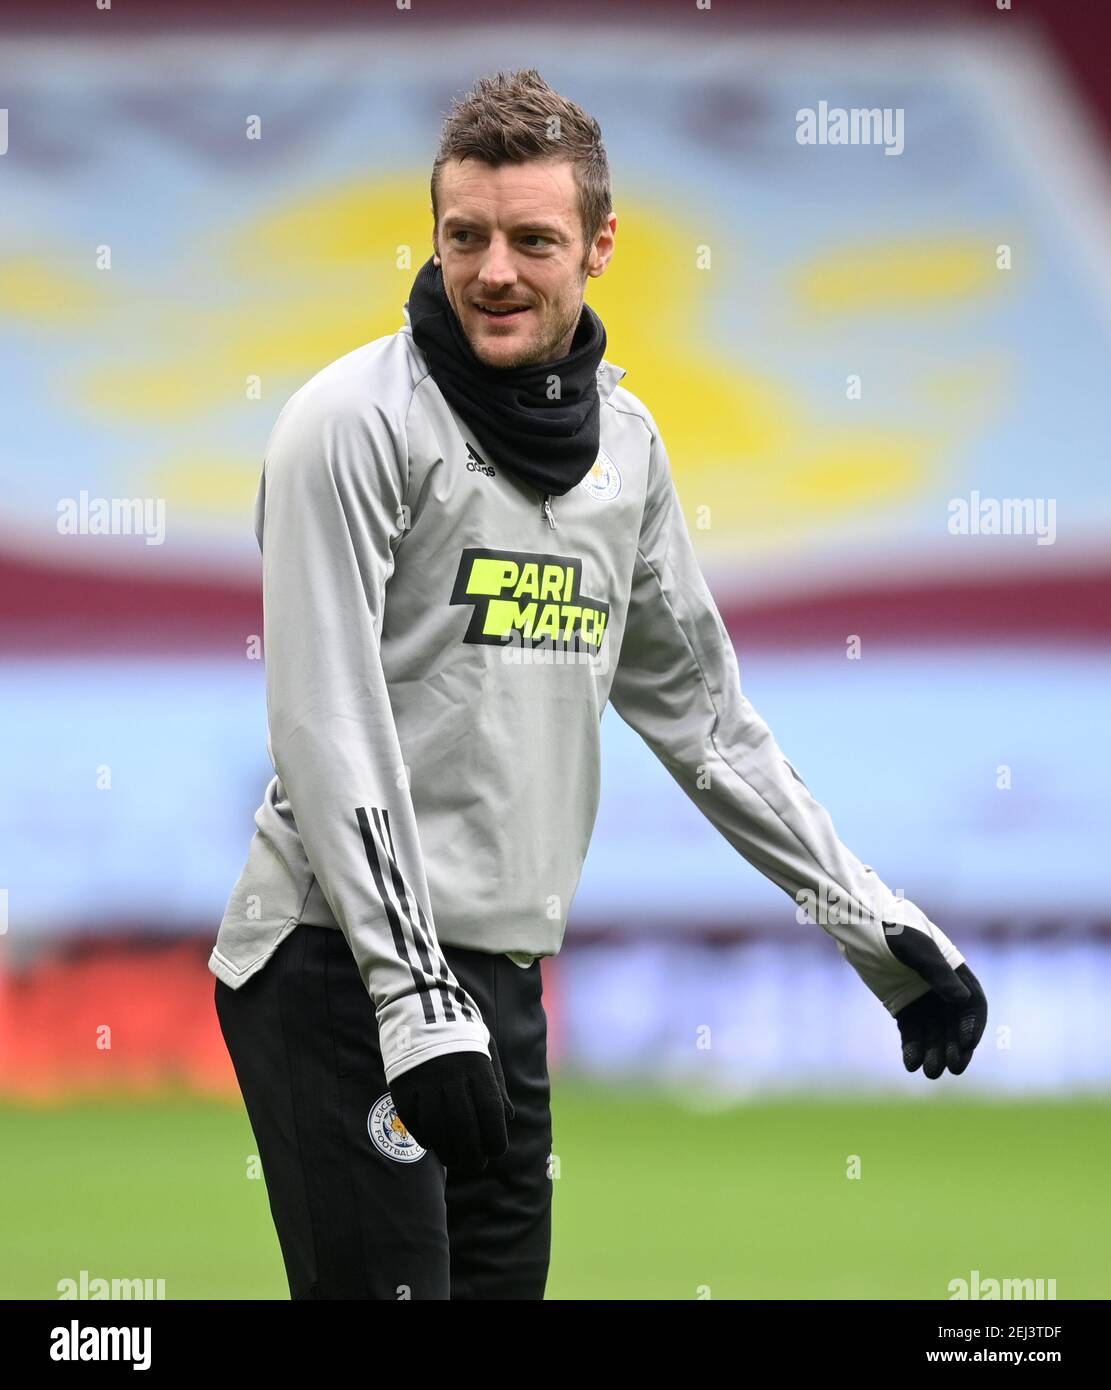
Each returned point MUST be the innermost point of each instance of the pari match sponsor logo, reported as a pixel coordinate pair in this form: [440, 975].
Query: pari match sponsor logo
[603, 482]
[388, 1135]
[529, 599]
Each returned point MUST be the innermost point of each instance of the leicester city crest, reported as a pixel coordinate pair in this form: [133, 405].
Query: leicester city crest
[389, 1135]
[603, 482]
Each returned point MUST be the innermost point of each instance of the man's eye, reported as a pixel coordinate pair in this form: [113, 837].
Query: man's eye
[458, 234]
[536, 236]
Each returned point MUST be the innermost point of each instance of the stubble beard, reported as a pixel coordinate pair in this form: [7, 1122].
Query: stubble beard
[546, 351]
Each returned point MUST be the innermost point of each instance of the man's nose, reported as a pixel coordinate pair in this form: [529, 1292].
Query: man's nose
[497, 265]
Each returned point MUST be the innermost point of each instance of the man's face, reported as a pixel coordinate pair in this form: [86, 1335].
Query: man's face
[511, 238]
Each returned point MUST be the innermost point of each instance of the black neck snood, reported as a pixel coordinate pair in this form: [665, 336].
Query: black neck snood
[550, 444]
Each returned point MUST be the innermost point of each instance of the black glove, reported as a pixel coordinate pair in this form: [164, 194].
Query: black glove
[942, 1028]
[457, 1106]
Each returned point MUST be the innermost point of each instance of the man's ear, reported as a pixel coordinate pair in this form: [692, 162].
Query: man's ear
[601, 249]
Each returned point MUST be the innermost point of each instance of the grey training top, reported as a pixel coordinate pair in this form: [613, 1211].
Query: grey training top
[441, 641]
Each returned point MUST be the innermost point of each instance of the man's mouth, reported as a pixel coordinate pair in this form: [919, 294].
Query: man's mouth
[501, 311]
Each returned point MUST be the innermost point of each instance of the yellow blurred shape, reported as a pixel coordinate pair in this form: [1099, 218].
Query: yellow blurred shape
[808, 487]
[304, 284]
[899, 276]
[357, 224]
[857, 469]
[211, 483]
[32, 289]
[971, 387]
[299, 285]
[655, 301]
[135, 391]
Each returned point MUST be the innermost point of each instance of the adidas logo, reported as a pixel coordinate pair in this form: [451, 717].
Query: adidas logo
[476, 465]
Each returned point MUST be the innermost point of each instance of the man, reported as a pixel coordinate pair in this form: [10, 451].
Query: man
[471, 543]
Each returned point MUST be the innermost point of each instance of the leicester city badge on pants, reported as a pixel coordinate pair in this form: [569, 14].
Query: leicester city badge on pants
[389, 1135]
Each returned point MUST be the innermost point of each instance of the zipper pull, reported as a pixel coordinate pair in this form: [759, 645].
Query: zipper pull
[548, 511]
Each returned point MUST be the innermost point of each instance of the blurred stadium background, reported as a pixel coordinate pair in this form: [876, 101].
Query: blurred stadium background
[964, 753]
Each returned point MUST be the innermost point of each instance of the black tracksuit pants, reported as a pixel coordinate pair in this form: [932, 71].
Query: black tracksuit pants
[356, 1215]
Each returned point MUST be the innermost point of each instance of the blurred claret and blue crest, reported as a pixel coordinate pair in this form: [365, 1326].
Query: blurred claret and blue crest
[847, 354]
